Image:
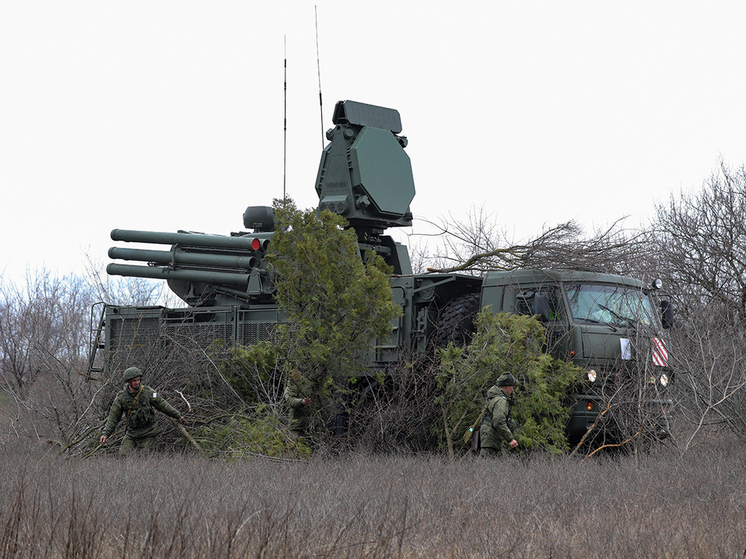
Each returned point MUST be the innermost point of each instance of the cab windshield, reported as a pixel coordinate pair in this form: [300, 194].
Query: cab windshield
[616, 305]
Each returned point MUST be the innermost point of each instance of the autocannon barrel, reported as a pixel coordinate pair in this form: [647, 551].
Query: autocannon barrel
[154, 272]
[191, 239]
[177, 257]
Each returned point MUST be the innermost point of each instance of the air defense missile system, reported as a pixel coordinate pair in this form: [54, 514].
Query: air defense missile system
[603, 323]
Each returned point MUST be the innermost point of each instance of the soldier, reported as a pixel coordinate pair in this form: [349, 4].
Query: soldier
[137, 402]
[297, 399]
[497, 425]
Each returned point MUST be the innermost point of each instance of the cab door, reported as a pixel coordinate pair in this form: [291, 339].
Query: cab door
[546, 302]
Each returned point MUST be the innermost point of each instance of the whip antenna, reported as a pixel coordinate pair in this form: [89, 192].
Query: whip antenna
[285, 118]
[318, 66]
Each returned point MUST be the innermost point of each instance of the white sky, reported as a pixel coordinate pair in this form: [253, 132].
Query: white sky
[169, 115]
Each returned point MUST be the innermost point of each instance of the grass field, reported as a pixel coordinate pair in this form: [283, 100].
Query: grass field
[372, 506]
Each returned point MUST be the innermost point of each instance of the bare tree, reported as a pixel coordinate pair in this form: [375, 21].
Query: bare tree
[43, 349]
[478, 246]
[700, 241]
[45, 317]
[126, 290]
[701, 238]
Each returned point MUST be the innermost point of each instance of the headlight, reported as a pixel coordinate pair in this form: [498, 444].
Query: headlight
[657, 283]
[664, 379]
[592, 375]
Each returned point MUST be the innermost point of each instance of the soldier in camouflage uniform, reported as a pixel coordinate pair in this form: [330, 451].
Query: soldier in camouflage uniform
[297, 399]
[497, 425]
[137, 402]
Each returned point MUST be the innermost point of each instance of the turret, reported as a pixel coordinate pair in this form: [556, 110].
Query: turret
[364, 176]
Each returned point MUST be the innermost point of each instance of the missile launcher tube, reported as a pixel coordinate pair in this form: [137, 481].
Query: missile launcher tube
[179, 257]
[154, 272]
[189, 239]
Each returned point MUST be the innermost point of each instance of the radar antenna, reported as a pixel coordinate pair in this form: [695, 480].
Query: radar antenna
[318, 69]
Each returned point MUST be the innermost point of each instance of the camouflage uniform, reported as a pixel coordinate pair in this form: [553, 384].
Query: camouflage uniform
[141, 427]
[497, 425]
[298, 414]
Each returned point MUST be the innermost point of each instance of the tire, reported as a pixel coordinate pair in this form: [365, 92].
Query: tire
[456, 321]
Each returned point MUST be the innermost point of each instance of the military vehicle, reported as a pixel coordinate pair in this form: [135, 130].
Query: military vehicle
[609, 325]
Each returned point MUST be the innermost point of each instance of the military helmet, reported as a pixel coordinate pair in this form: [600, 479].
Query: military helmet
[132, 372]
[506, 379]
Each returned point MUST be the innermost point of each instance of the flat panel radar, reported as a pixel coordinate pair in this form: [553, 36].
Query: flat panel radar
[364, 174]
[389, 186]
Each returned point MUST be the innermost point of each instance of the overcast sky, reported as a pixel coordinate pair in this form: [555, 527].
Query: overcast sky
[169, 115]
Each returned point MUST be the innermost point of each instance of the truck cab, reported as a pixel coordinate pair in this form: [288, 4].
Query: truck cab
[606, 324]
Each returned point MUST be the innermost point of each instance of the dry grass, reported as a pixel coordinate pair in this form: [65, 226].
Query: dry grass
[363, 506]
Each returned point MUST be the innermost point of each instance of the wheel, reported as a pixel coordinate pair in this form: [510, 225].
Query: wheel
[456, 321]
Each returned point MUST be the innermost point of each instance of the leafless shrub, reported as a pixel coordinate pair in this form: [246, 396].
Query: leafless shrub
[710, 377]
[396, 414]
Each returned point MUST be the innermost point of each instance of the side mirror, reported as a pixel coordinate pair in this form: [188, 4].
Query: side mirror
[667, 314]
[541, 306]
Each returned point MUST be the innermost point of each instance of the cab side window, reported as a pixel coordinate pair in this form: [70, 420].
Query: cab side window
[526, 298]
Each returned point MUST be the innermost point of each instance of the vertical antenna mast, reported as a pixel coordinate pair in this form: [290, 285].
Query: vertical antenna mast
[285, 118]
[318, 66]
